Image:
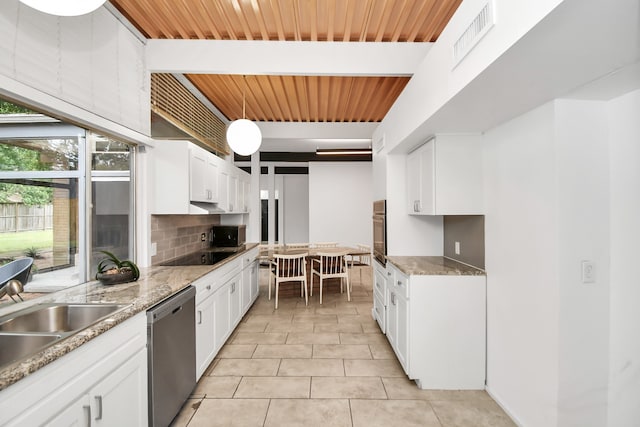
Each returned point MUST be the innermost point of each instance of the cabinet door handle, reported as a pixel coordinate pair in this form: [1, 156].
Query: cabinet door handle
[377, 285]
[199, 317]
[233, 287]
[99, 404]
[388, 273]
[418, 208]
[399, 282]
[87, 410]
[208, 287]
[377, 310]
[393, 298]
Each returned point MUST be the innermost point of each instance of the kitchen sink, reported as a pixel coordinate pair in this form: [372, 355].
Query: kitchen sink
[17, 346]
[48, 318]
[28, 331]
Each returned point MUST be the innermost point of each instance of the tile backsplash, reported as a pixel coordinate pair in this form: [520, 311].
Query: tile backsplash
[177, 235]
[468, 231]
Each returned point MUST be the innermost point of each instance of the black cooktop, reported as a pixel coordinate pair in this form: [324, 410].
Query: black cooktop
[210, 257]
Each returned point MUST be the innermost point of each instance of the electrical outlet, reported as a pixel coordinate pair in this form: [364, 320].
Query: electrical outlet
[203, 237]
[588, 272]
[154, 249]
[457, 248]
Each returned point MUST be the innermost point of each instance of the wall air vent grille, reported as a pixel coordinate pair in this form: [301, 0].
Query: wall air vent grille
[480, 25]
[174, 103]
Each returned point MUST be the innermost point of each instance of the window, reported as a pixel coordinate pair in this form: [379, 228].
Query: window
[59, 205]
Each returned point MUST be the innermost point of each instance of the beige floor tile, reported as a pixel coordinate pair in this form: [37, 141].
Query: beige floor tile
[341, 351]
[311, 367]
[404, 388]
[266, 318]
[251, 327]
[230, 413]
[308, 412]
[347, 388]
[186, 413]
[289, 327]
[313, 338]
[283, 351]
[274, 387]
[339, 309]
[372, 368]
[354, 338]
[356, 318]
[315, 318]
[369, 328]
[476, 413]
[338, 327]
[259, 338]
[212, 365]
[382, 351]
[246, 367]
[236, 351]
[216, 387]
[383, 413]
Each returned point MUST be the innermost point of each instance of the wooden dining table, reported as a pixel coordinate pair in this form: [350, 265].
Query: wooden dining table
[267, 254]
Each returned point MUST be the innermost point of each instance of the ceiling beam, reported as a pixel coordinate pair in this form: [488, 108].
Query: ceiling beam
[284, 58]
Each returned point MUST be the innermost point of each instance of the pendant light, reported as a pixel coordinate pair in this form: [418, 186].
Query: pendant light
[244, 136]
[64, 7]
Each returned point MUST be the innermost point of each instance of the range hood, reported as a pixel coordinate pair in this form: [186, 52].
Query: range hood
[204, 208]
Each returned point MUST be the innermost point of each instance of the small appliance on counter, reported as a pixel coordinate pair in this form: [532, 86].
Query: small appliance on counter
[228, 236]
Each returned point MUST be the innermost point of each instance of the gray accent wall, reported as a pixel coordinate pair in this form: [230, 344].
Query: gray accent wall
[469, 231]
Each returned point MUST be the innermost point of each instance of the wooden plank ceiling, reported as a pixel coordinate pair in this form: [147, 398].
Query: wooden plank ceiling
[295, 98]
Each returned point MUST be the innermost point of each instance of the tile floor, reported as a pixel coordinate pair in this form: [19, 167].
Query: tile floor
[322, 365]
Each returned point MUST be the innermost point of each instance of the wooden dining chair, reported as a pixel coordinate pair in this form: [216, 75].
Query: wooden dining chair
[289, 268]
[297, 245]
[361, 260]
[325, 245]
[330, 265]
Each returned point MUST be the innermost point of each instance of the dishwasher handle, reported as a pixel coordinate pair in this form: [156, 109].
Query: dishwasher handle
[171, 305]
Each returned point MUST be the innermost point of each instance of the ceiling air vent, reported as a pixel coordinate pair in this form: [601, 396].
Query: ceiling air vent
[173, 103]
[480, 26]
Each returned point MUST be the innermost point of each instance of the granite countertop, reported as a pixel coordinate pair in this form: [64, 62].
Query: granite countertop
[433, 265]
[154, 285]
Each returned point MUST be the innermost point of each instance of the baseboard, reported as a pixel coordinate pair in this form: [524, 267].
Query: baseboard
[504, 407]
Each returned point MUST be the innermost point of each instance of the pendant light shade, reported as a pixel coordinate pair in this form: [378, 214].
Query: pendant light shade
[244, 137]
[64, 7]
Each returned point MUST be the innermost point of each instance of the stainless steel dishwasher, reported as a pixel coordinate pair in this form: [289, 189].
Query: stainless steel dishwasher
[171, 340]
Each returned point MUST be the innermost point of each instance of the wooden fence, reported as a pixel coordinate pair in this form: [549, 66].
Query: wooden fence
[16, 217]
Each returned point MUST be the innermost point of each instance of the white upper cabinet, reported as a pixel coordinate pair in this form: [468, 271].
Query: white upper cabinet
[444, 176]
[203, 175]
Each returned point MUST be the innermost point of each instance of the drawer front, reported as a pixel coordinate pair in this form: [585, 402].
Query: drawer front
[401, 284]
[249, 257]
[379, 313]
[204, 288]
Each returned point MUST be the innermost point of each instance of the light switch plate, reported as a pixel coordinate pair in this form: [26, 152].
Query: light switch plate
[154, 248]
[457, 248]
[588, 272]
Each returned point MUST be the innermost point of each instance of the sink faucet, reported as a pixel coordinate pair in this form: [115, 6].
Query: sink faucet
[14, 287]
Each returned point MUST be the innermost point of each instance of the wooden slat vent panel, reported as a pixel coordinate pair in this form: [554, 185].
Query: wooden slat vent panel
[174, 103]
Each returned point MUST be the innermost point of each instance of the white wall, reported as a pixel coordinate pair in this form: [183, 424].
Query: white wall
[340, 202]
[624, 324]
[89, 68]
[582, 174]
[521, 265]
[295, 209]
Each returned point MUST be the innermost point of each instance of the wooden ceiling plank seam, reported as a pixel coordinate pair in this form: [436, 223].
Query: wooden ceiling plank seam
[177, 24]
[394, 88]
[385, 16]
[226, 21]
[296, 20]
[232, 85]
[312, 95]
[420, 17]
[135, 15]
[275, 106]
[194, 14]
[364, 31]
[331, 13]
[364, 99]
[221, 91]
[160, 20]
[209, 22]
[254, 107]
[314, 20]
[280, 97]
[299, 115]
[346, 99]
[396, 30]
[348, 21]
[303, 99]
[241, 17]
[341, 99]
[278, 18]
[443, 12]
[289, 100]
[259, 15]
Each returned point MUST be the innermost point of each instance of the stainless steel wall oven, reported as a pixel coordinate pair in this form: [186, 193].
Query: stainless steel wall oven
[380, 231]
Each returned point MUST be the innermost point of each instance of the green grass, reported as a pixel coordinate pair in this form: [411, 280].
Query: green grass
[13, 244]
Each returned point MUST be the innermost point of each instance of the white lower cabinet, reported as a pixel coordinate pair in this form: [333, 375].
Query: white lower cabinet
[222, 298]
[380, 295]
[102, 383]
[436, 327]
